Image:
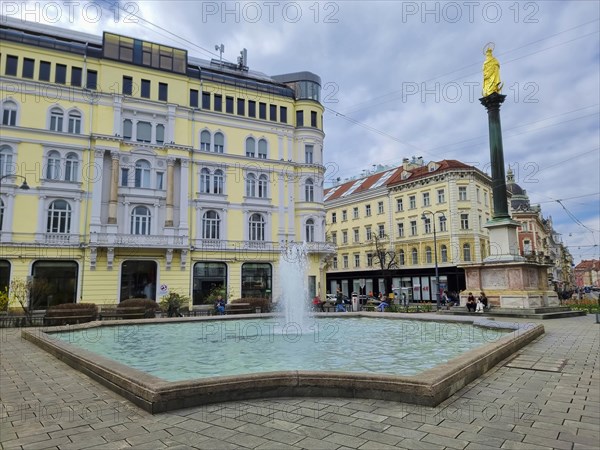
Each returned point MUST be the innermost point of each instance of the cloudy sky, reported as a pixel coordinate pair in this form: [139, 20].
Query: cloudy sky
[402, 79]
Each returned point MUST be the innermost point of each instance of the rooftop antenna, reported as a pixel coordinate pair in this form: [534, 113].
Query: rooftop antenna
[243, 60]
[220, 49]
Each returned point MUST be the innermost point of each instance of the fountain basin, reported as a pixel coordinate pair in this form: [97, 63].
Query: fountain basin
[154, 394]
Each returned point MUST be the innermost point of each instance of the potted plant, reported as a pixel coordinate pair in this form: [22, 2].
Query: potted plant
[172, 302]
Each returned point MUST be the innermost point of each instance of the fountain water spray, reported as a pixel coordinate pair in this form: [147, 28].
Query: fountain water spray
[293, 263]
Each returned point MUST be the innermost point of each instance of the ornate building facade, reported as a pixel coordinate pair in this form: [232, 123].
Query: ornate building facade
[152, 171]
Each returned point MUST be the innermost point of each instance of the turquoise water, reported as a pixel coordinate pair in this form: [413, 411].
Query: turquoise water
[189, 350]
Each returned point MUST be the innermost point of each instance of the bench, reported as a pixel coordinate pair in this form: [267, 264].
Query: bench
[68, 317]
[202, 310]
[126, 312]
[239, 308]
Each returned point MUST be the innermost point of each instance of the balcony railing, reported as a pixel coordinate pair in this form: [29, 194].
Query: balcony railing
[258, 246]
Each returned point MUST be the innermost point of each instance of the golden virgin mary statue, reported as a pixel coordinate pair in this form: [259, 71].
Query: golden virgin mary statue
[491, 74]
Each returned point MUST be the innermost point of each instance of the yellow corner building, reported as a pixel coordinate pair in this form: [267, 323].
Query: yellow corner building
[151, 171]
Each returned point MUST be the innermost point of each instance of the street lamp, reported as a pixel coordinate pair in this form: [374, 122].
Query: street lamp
[437, 275]
[23, 186]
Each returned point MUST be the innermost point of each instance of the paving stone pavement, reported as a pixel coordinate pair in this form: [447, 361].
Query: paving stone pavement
[47, 405]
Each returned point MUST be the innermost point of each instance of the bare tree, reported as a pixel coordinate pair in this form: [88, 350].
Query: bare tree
[386, 258]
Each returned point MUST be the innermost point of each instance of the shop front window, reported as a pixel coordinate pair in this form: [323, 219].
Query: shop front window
[210, 280]
[53, 283]
[257, 280]
[138, 279]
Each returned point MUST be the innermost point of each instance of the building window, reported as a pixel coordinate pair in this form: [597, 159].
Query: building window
[205, 141]
[273, 113]
[368, 210]
[485, 198]
[194, 98]
[263, 183]
[53, 283]
[413, 227]
[333, 217]
[44, 73]
[426, 201]
[369, 259]
[262, 149]
[355, 212]
[28, 67]
[251, 185]
[9, 113]
[251, 108]
[527, 247]
[91, 80]
[344, 215]
[399, 205]
[257, 280]
[163, 92]
[145, 92]
[74, 126]
[309, 190]
[76, 76]
[444, 253]
[381, 231]
[138, 279]
[283, 114]
[401, 258]
[11, 65]
[124, 177]
[160, 133]
[356, 260]
[356, 235]
[218, 99]
[241, 107]
[442, 222]
[250, 147]
[140, 220]
[345, 261]
[60, 74]
[206, 101]
[256, 227]
[412, 202]
[144, 132]
[205, 181]
[142, 174]
[344, 237]
[428, 255]
[380, 208]
[211, 224]
[160, 177]
[369, 233]
[310, 230]
[427, 222]
[415, 257]
[219, 143]
[53, 166]
[335, 262]
[299, 118]
[313, 119]
[308, 154]
[334, 237]
[262, 111]
[462, 193]
[400, 230]
[59, 217]
[466, 252]
[127, 88]
[56, 119]
[218, 182]
[71, 167]
[127, 129]
[464, 221]
[229, 105]
[441, 196]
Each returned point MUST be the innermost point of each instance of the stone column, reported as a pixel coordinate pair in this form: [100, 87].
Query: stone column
[169, 212]
[114, 189]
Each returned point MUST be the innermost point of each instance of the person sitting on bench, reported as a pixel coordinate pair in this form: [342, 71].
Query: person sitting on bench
[471, 302]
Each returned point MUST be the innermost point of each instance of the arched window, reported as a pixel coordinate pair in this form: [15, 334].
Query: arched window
[444, 252]
[142, 174]
[250, 185]
[309, 190]
[250, 147]
[256, 228]
[428, 255]
[205, 181]
[53, 167]
[402, 258]
[56, 119]
[310, 230]
[59, 217]
[6, 166]
[218, 181]
[205, 141]
[71, 167]
[263, 183]
[262, 149]
[466, 252]
[9, 113]
[219, 143]
[127, 129]
[211, 225]
[160, 134]
[74, 122]
[415, 257]
[144, 132]
[140, 220]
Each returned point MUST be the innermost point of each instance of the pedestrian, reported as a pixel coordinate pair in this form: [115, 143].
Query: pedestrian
[471, 305]
[484, 300]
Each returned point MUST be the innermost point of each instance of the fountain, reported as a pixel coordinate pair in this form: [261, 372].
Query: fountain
[293, 263]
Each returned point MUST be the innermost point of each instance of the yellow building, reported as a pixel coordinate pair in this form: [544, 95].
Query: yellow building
[396, 212]
[152, 171]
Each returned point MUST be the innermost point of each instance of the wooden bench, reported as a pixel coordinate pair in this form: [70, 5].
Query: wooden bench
[202, 310]
[69, 317]
[238, 308]
[127, 312]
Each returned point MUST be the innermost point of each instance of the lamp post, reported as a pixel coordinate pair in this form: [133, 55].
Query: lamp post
[437, 275]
